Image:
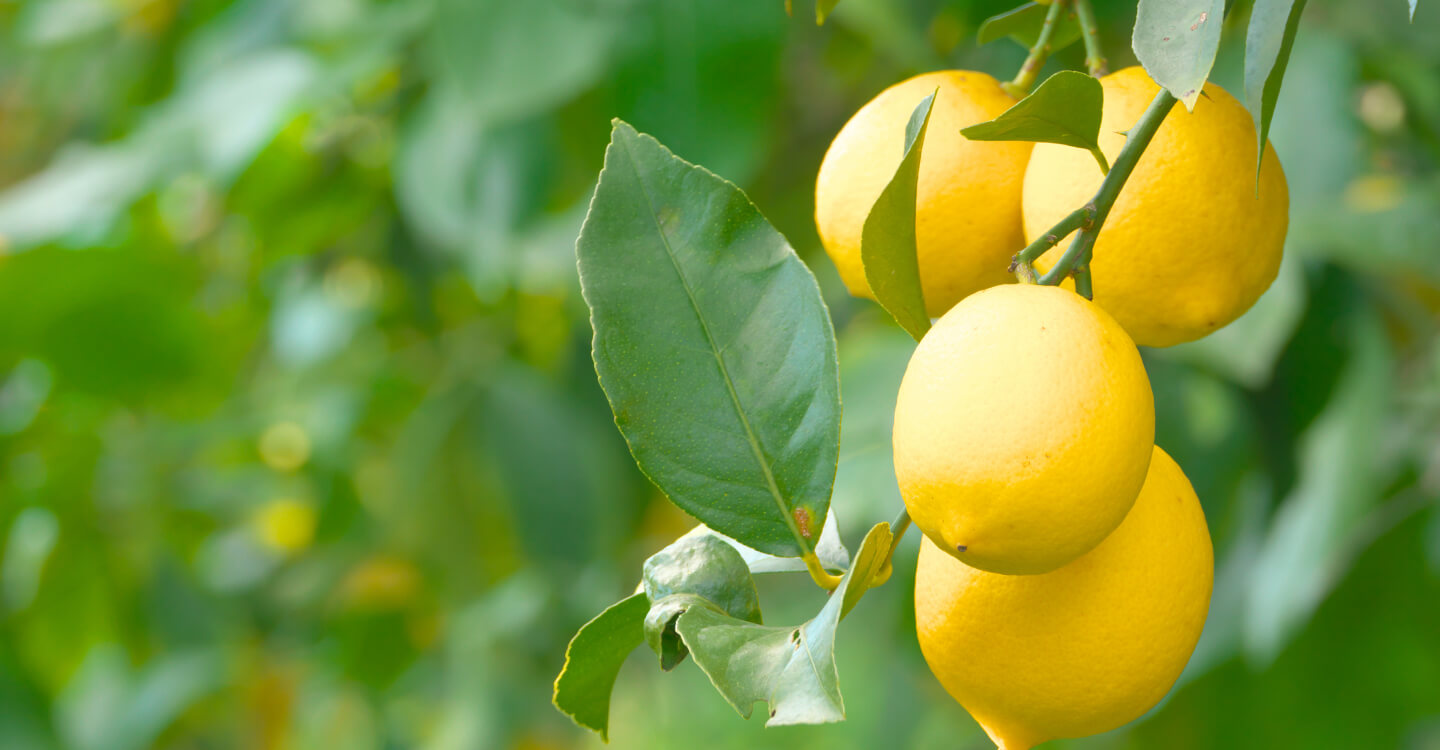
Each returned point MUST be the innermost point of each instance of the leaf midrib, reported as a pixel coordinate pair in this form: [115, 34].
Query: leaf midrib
[750, 435]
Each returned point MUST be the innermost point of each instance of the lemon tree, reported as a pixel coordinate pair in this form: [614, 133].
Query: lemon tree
[1066, 568]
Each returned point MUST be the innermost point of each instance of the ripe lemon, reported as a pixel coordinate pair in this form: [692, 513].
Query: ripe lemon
[1189, 245]
[967, 220]
[1023, 428]
[1083, 649]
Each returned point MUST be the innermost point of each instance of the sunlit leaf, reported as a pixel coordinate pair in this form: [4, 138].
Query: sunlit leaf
[713, 346]
[1176, 41]
[593, 660]
[887, 243]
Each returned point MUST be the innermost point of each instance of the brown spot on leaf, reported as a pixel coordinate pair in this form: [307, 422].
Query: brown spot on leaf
[961, 547]
[802, 520]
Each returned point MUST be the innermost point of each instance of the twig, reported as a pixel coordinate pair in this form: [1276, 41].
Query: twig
[1095, 60]
[1020, 87]
[1076, 259]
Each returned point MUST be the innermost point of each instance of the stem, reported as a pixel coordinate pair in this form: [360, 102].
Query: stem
[823, 578]
[1020, 87]
[1077, 257]
[1095, 60]
[1022, 264]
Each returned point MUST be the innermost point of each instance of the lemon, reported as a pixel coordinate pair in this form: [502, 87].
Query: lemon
[967, 219]
[1190, 244]
[1023, 428]
[1083, 649]
[285, 526]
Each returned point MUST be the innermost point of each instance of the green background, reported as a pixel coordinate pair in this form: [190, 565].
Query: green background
[270, 263]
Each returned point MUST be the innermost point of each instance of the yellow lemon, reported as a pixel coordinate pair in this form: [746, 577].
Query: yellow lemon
[1023, 428]
[967, 220]
[1083, 649]
[285, 526]
[1190, 244]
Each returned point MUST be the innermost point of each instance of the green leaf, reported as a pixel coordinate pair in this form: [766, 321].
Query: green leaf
[1176, 41]
[1023, 25]
[887, 242]
[790, 668]
[1268, 41]
[1065, 109]
[713, 346]
[699, 566]
[593, 660]
[823, 8]
[1342, 477]
[517, 59]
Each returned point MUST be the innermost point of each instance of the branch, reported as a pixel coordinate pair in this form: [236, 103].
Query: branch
[1095, 60]
[1020, 87]
[1022, 264]
[1077, 255]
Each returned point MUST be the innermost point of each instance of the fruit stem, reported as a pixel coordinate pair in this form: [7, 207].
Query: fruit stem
[823, 578]
[1095, 60]
[1020, 87]
[1076, 259]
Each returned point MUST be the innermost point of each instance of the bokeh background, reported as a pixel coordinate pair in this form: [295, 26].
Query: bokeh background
[301, 446]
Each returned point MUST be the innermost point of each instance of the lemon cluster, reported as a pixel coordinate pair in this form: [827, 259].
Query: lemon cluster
[1193, 240]
[1066, 570]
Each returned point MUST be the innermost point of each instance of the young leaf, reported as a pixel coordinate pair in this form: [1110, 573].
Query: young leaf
[822, 9]
[699, 566]
[1176, 41]
[873, 555]
[1268, 41]
[791, 669]
[1023, 25]
[593, 660]
[1065, 109]
[887, 241]
[713, 346]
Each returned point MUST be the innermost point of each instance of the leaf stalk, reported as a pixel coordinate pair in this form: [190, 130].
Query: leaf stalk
[823, 578]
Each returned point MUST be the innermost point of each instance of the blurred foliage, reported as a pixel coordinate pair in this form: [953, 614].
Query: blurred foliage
[301, 445]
